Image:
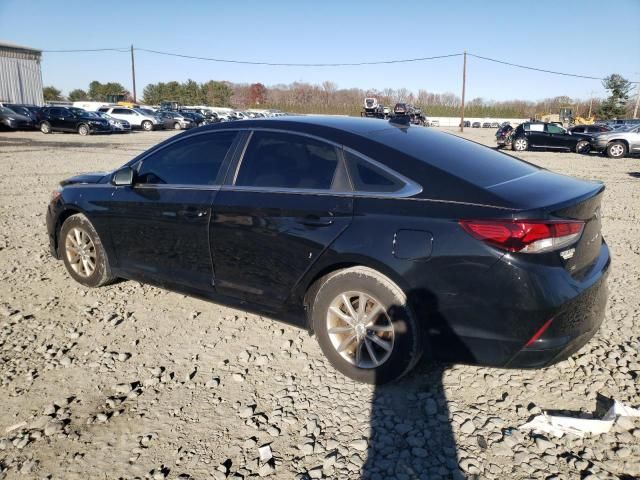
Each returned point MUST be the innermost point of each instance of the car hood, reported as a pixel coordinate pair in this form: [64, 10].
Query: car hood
[84, 178]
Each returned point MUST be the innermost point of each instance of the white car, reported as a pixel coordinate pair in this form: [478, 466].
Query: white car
[435, 123]
[135, 118]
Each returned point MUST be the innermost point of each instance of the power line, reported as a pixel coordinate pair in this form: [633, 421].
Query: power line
[272, 64]
[536, 69]
[346, 64]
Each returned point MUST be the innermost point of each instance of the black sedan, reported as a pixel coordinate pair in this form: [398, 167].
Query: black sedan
[385, 240]
[548, 136]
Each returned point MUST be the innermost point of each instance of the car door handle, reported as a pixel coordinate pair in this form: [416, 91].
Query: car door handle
[193, 212]
[316, 221]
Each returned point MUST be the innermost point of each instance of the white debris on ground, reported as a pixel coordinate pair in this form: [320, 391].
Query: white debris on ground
[130, 381]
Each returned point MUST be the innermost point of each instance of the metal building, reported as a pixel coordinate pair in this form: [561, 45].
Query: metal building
[20, 74]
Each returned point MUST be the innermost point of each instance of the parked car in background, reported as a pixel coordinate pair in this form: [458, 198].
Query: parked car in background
[486, 125]
[175, 120]
[30, 111]
[137, 119]
[589, 129]
[12, 120]
[434, 123]
[517, 265]
[64, 119]
[549, 136]
[617, 143]
[118, 126]
[495, 125]
[197, 119]
[467, 123]
[503, 136]
[476, 125]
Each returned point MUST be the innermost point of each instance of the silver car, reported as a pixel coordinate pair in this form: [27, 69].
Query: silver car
[618, 143]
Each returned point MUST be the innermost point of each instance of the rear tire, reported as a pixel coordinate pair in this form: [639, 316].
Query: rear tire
[616, 150]
[83, 130]
[583, 146]
[82, 252]
[521, 144]
[147, 126]
[45, 127]
[376, 340]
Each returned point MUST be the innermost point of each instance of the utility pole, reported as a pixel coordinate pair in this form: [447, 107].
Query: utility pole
[635, 110]
[464, 84]
[133, 74]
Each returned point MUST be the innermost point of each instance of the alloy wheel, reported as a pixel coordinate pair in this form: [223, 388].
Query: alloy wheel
[616, 150]
[81, 252]
[360, 329]
[520, 144]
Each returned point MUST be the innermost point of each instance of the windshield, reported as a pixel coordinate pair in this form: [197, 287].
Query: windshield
[6, 111]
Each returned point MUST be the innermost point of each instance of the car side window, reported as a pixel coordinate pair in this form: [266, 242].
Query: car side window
[283, 160]
[195, 160]
[121, 111]
[368, 177]
[579, 129]
[551, 128]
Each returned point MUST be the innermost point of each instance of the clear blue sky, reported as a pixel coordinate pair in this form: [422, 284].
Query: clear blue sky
[589, 37]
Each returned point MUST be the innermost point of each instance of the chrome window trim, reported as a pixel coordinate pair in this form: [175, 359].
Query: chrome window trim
[141, 160]
[410, 188]
[174, 186]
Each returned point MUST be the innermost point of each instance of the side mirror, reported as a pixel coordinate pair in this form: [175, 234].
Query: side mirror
[123, 177]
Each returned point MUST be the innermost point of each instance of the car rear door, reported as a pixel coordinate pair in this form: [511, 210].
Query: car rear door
[160, 225]
[284, 204]
[536, 134]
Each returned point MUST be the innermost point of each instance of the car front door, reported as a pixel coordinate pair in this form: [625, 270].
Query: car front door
[558, 137]
[280, 211]
[160, 225]
[58, 118]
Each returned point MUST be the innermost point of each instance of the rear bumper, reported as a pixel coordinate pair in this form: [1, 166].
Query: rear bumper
[492, 325]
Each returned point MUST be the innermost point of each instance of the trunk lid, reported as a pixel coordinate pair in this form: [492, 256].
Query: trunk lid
[548, 195]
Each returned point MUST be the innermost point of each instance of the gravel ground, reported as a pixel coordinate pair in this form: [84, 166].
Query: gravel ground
[116, 383]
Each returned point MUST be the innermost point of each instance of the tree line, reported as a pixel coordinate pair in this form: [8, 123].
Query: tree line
[327, 98]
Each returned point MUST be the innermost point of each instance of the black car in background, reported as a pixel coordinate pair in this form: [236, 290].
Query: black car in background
[70, 119]
[549, 136]
[385, 240]
[11, 120]
[475, 125]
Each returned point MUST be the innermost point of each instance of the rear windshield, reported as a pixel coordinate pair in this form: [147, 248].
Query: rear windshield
[467, 160]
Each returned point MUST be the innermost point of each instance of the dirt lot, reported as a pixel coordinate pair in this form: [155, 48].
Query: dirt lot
[132, 381]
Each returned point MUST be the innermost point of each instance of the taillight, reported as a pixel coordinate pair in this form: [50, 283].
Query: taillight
[526, 236]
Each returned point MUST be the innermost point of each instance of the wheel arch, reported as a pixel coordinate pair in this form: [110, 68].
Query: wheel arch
[621, 140]
[306, 288]
[68, 211]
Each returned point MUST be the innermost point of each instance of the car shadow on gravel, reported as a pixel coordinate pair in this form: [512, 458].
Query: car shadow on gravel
[411, 436]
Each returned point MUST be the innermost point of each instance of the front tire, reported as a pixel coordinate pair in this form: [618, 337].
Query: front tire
[83, 130]
[364, 326]
[45, 127]
[176, 126]
[520, 144]
[616, 150]
[147, 126]
[82, 252]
